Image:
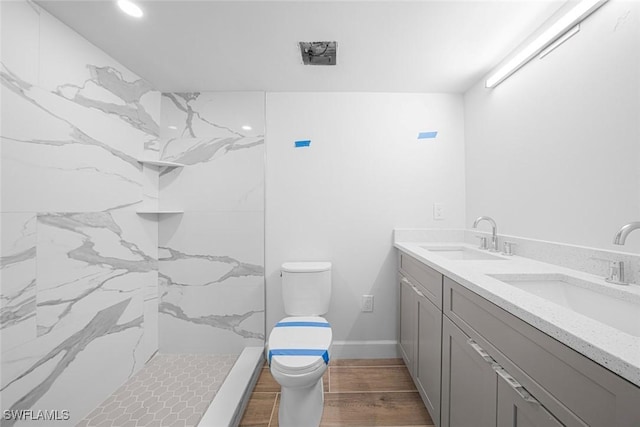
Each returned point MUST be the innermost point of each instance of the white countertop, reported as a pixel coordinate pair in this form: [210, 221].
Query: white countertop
[615, 350]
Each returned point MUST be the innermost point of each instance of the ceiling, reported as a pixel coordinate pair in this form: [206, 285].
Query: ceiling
[383, 46]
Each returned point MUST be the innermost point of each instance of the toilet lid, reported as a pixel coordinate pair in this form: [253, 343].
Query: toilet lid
[298, 345]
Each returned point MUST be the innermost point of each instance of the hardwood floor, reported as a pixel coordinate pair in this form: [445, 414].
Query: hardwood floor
[358, 393]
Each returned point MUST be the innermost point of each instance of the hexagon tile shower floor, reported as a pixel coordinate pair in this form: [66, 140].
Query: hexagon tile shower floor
[171, 390]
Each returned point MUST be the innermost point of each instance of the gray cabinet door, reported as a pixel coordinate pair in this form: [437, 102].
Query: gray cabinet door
[429, 355]
[408, 308]
[469, 381]
[516, 408]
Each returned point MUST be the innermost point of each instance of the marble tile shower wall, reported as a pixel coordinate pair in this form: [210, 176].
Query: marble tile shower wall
[211, 258]
[79, 267]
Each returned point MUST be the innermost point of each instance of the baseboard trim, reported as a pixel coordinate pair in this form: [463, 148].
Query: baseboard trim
[374, 349]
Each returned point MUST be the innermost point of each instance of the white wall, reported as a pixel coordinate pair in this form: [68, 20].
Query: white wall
[553, 152]
[339, 199]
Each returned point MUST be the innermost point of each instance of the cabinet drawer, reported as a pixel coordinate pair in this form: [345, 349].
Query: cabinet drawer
[429, 280]
[595, 395]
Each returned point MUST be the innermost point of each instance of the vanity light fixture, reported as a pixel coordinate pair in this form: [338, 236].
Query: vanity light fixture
[567, 22]
[246, 127]
[130, 8]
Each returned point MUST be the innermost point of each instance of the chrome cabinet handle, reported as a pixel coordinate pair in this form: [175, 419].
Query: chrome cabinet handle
[416, 290]
[481, 352]
[516, 386]
[414, 287]
[408, 282]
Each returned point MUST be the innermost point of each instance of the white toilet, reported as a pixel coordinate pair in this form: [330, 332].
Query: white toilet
[299, 346]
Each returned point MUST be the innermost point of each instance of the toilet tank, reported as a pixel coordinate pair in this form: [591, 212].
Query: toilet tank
[306, 288]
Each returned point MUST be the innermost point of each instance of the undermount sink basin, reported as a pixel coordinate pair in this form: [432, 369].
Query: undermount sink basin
[589, 299]
[462, 253]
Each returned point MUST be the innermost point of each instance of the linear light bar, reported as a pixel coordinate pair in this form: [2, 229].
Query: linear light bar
[563, 38]
[568, 21]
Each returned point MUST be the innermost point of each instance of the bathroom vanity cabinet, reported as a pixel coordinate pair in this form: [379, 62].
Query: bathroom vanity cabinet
[421, 329]
[474, 363]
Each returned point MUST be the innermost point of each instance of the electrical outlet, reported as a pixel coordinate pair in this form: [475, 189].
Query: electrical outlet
[367, 303]
[438, 211]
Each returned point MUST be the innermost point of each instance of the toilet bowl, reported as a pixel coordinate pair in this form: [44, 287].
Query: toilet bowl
[299, 346]
[298, 351]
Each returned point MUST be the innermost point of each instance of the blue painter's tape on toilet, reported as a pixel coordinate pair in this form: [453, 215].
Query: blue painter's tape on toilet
[299, 352]
[311, 324]
[427, 135]
[305, 143]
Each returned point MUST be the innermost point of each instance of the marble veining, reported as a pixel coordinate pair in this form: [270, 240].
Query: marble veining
[183, 102]
[110, 79]
[79, 268]
[96, 248]
[229, 322]
[224, 156]
[211, 282]
[202, 150]
[236, 268]
[211, 268]
[79, 222]
[19, 306]
[42, 99]
[228, 172]
[6, 261]
[214, 276]
[105, 322]
[17, 272]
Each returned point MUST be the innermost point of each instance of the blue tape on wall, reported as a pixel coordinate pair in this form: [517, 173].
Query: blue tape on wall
[427, 135]
[299, 352]
[305, 143]
[312, 324]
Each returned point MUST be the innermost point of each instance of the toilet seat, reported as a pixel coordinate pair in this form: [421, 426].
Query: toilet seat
[299, 345]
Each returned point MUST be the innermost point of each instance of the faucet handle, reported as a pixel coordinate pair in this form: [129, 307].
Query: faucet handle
[508, 248]
[483, 242]
[616, 271]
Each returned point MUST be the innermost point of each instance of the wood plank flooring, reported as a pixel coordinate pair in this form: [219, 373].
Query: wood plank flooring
[358, 393]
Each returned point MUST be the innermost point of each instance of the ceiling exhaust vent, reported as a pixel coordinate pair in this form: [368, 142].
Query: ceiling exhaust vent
[318, 53]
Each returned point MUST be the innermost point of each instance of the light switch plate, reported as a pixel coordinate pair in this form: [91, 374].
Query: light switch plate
[367, 303]
[438, 211]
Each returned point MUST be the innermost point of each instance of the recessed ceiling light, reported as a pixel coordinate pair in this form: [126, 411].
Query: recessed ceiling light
[246, 127]
[173, 127]
[130, 8]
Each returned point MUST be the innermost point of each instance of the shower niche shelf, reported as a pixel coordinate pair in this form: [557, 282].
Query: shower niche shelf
[161, 163]
[158, 212]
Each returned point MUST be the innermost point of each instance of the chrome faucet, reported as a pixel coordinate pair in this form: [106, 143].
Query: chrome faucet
[616, 268]
[621, 235]
[494, 231]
